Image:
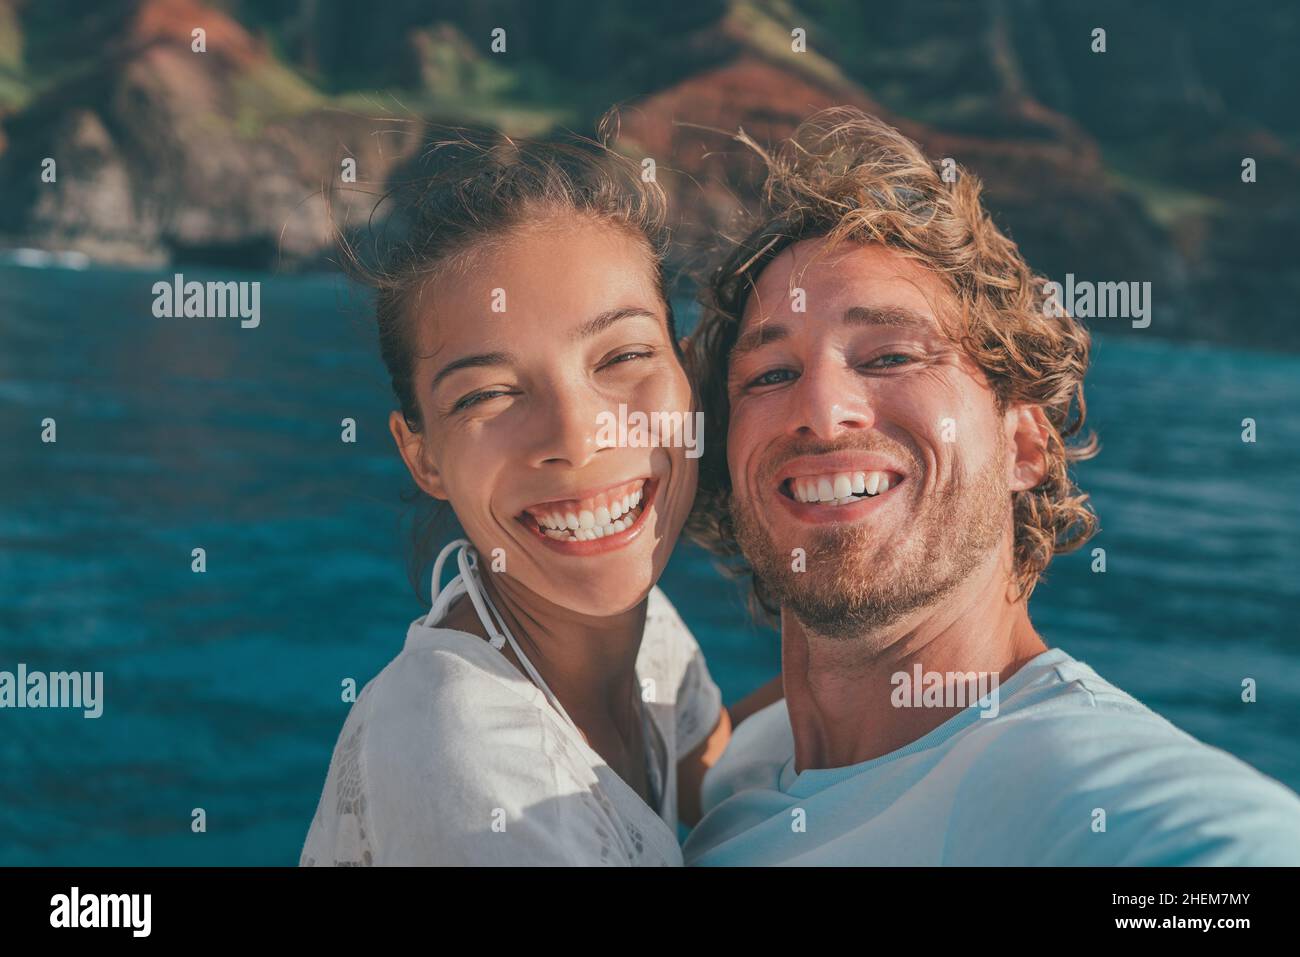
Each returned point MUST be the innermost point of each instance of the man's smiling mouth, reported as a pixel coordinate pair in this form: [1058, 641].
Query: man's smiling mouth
[605, 514]
[839, 488]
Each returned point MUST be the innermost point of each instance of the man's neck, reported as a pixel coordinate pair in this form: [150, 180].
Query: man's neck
[845, 702]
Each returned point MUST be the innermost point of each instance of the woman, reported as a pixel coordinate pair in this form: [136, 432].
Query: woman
[551, 708]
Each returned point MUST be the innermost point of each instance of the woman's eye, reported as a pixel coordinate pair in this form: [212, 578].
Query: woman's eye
[627, 357]
[474, 399]
[771, 377]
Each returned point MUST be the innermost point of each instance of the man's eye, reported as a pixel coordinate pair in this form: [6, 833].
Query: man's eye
[771, 377]
[474, 399]
[891, 359]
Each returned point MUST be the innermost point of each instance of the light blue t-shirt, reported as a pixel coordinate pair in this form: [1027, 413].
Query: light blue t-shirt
[1066, 753]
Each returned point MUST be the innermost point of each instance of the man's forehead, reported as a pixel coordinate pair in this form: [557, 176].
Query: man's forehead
[859, 283]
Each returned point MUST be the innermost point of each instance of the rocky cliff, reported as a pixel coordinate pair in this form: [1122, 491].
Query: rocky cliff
[1122, 165]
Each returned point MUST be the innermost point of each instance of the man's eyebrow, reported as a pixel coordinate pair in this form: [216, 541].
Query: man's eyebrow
[472, 362]
[606, 319]
[764, 334]
[770, 332]
[883, 316]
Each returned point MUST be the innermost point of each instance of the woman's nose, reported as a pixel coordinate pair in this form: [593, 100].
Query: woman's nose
[568, 430]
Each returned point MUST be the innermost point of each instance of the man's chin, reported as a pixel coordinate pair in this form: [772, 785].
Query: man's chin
[846, 556]
[847, 607]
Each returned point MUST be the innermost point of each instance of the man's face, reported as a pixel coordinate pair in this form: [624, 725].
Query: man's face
[842, 384]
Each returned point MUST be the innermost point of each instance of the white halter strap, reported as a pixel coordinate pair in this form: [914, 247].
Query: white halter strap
[466, 583]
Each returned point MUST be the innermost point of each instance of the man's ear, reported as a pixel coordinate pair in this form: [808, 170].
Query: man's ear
[1027, 431]
[410, 445]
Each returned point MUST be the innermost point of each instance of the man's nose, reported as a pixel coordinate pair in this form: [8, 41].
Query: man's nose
[829, 400]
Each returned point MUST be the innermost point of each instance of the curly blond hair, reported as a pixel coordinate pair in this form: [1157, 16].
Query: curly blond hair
[846, 175]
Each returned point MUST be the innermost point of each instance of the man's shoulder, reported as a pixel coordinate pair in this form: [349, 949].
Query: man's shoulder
[1056, 681]
[1068, 720]
[1102, 778]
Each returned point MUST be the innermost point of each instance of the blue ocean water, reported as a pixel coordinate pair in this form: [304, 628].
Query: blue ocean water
[222, 690]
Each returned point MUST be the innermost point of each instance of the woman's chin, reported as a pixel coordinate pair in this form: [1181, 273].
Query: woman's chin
[602, 595]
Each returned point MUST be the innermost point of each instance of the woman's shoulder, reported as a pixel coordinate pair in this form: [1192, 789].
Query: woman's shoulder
[447, 680]
[446, 751]
[450, 708]
[667, 645]
[666, 628]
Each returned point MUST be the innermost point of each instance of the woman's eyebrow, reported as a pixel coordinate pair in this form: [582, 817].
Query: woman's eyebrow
[588, 329]
[606, 319]
[473, 362]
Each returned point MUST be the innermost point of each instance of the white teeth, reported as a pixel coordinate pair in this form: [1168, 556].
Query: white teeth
[579, 530]
[601, 511]
[839, 488]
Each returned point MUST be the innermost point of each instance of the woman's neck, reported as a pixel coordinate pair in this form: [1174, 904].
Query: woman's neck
[588, 663]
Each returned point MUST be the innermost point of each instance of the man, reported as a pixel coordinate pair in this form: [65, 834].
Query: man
[900, 400]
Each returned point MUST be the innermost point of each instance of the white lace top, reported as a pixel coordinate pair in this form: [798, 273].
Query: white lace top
[450, 756]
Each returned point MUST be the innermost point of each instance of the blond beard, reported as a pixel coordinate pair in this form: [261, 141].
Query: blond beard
[847, 591]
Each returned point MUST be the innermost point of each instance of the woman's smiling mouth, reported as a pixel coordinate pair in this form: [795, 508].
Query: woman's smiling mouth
[594, 523]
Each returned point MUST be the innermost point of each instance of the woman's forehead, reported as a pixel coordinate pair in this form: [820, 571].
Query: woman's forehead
[538, 286]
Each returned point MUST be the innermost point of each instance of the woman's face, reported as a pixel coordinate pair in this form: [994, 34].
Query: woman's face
[522, 358]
